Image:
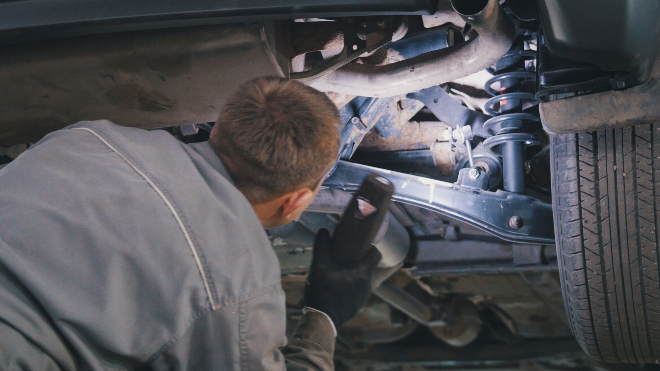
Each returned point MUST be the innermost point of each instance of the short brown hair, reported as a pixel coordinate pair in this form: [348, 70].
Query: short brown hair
[275, 136]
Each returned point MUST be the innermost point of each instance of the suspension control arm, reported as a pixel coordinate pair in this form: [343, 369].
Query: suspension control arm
[509, 216]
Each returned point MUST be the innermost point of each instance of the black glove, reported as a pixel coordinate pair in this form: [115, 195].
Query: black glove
[338, 290]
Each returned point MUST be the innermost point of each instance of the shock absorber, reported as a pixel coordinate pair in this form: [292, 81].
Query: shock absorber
[510, 125]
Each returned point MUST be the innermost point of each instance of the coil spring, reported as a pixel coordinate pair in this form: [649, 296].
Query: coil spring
[510, 124]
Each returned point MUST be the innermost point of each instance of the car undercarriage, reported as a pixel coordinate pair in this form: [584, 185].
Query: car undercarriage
[521, 136]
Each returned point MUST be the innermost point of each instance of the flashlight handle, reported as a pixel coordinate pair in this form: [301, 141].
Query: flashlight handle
[363, 217]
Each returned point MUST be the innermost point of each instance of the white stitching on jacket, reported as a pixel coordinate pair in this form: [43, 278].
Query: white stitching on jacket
[170, 206]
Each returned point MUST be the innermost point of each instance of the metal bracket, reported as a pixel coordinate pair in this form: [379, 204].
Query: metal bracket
[489, 211]
[473, 177]
[353, 48]
[451, 111]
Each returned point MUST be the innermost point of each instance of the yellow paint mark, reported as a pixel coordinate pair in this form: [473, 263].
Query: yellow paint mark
[431, 185]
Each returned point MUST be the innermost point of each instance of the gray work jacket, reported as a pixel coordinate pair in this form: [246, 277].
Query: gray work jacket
[124, 249]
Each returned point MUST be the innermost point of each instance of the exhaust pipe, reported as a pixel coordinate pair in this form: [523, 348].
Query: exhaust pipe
[496, 35]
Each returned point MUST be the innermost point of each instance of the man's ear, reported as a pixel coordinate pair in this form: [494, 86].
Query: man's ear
[295, 200]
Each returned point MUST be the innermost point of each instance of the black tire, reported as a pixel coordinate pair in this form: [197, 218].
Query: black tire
[606, 201]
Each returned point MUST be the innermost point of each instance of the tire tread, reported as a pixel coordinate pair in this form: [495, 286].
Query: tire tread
[605, 198]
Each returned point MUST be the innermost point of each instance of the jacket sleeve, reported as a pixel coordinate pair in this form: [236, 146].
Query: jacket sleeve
[312, 345]
[250, 335]
[19, 353]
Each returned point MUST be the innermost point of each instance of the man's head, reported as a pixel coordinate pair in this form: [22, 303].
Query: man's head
[277, 138]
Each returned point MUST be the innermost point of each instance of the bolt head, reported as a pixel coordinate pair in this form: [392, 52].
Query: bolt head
[515, 222]
[355, 120]
[474, 174]
[620, 84]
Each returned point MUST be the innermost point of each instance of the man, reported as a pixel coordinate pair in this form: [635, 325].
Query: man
[126, 249]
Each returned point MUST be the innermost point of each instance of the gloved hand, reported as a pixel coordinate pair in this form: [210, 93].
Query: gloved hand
[338, 290]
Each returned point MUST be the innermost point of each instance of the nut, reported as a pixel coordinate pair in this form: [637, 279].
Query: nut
[474, 173]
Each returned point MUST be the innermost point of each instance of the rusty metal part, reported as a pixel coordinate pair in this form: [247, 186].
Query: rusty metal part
[328, 37]
[409, 135]
[145, 79]
[461, 323]
[359, 39]
[634, 106]
[405, 302]
[387, 55]
[366, 113]
[496, 35]
[445, 158]
[417, 44]
[377, 58]
[378, 323]
[454, 320]
[392, 56]
[314, 36]
[458, 326]
[444, 14]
